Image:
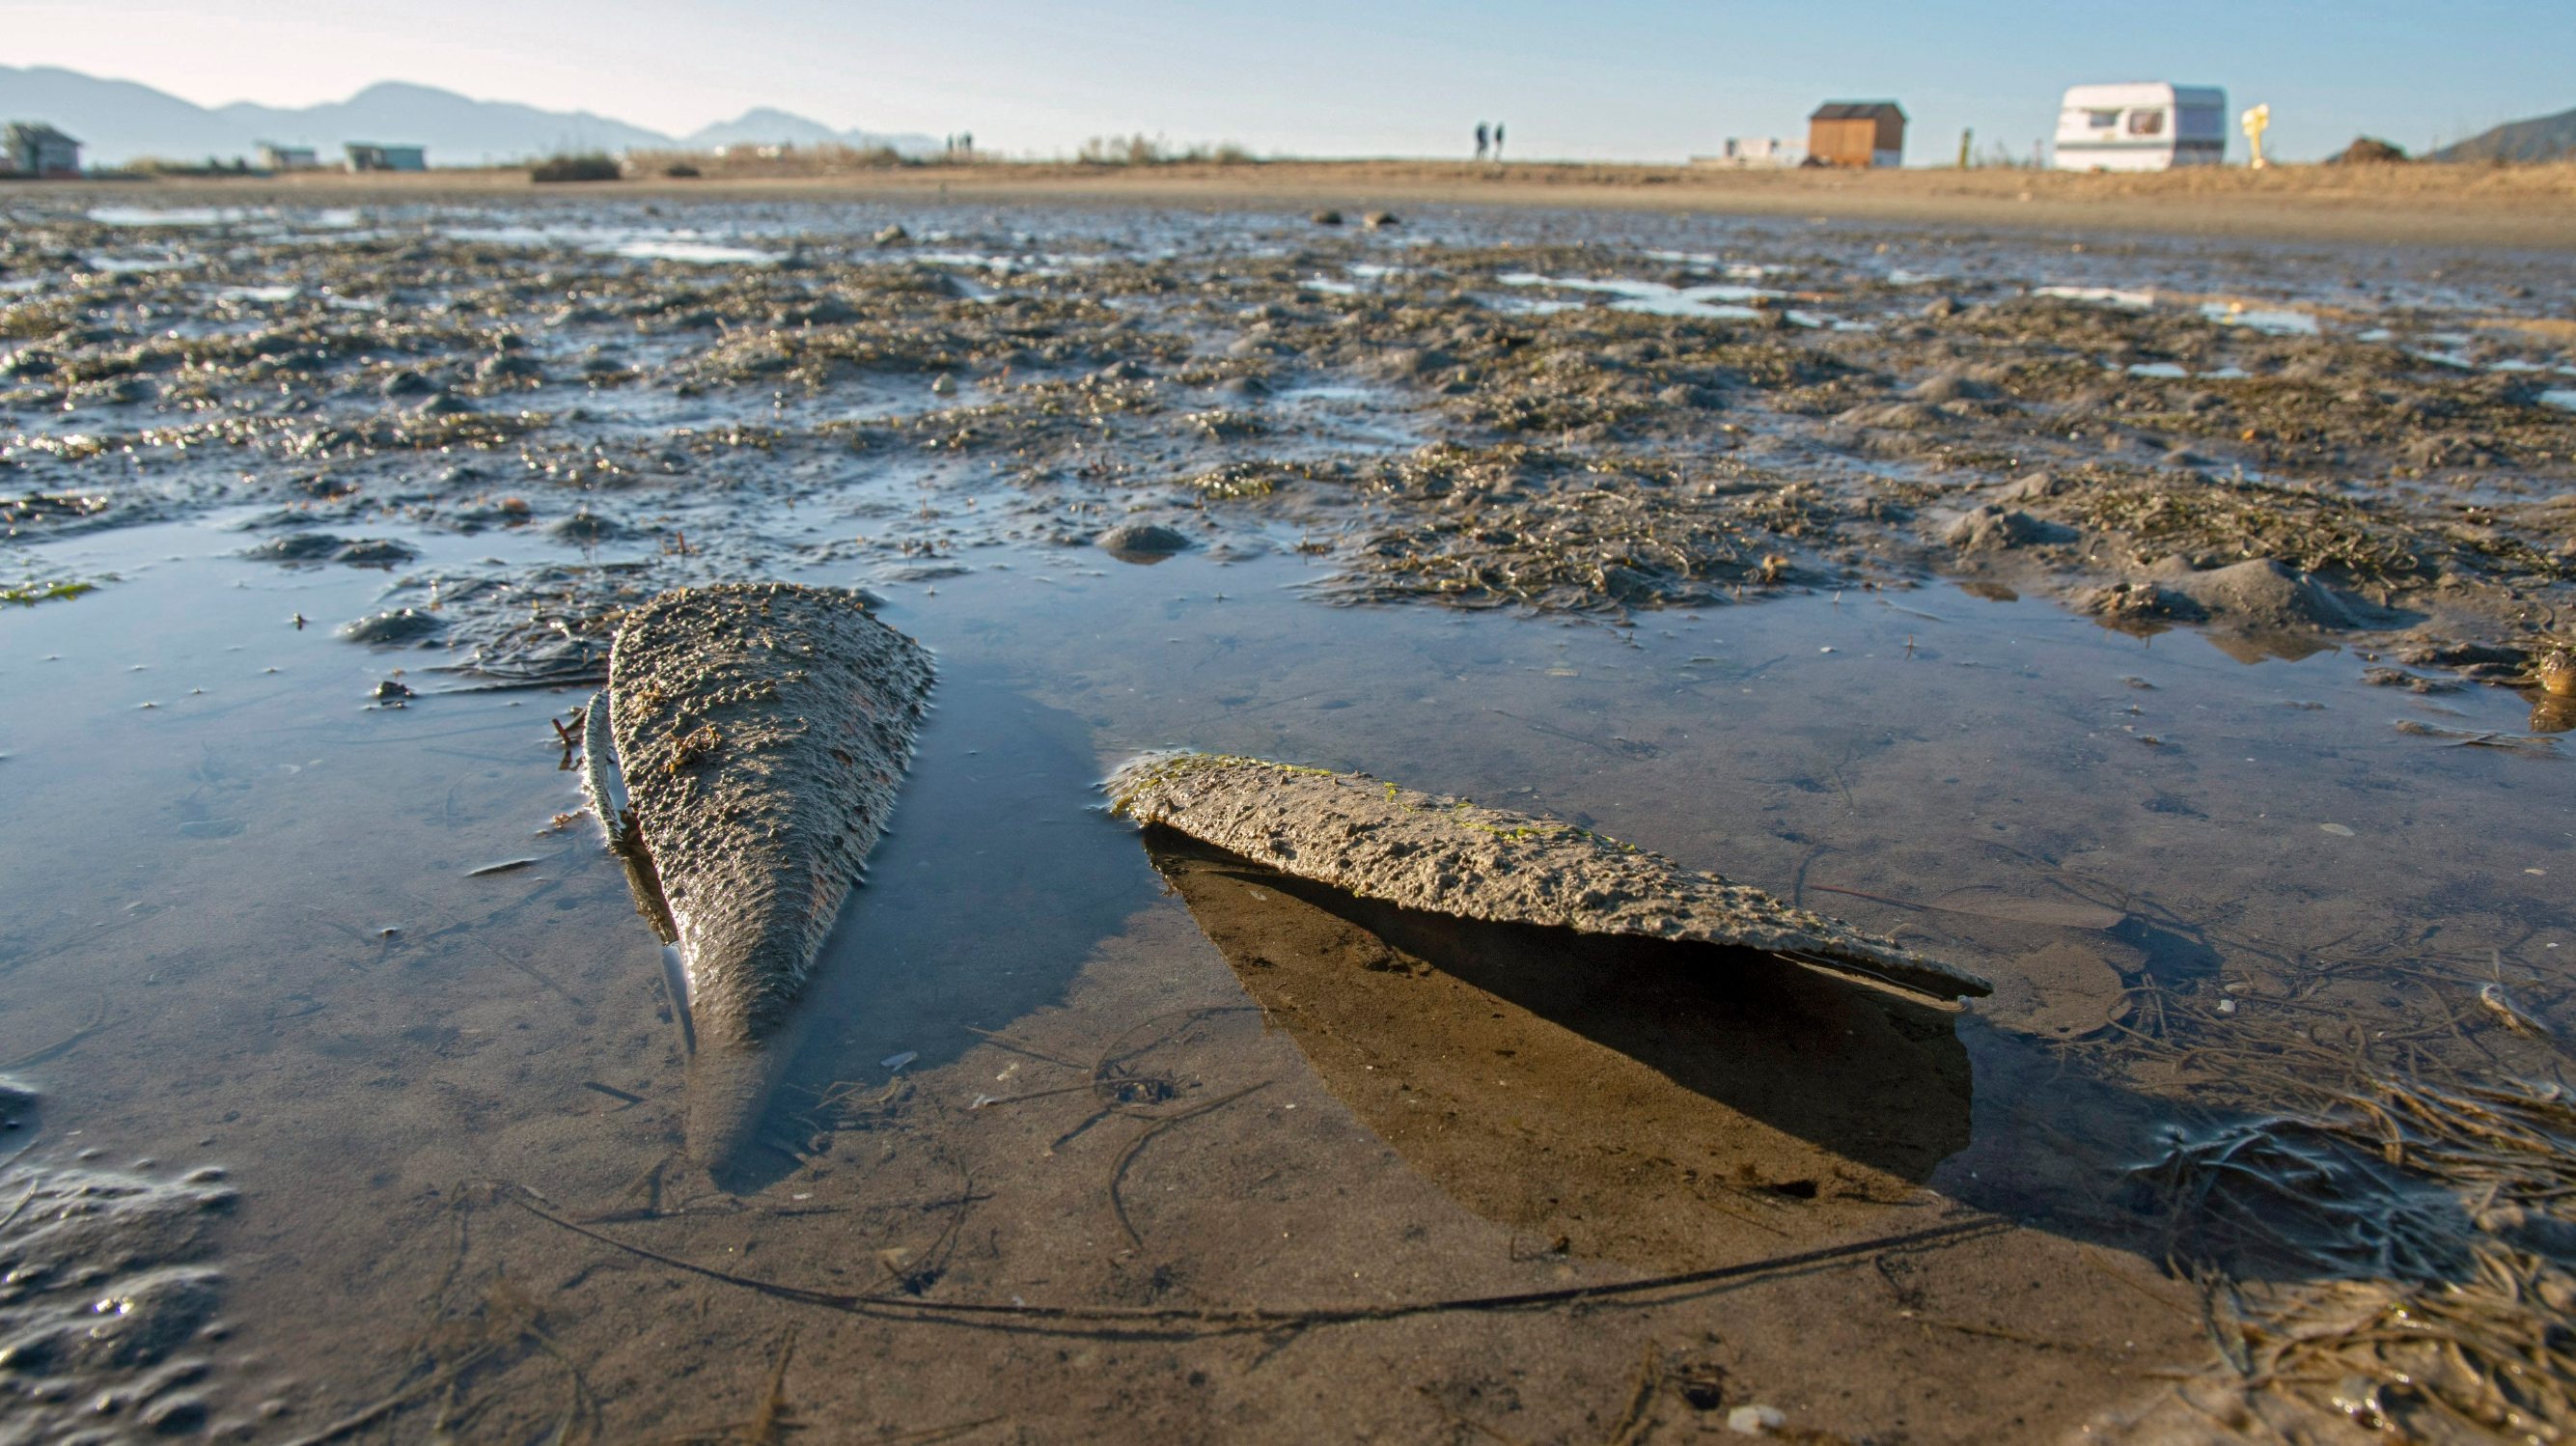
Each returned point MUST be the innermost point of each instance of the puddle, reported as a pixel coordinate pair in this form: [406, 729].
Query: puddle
[1535, 1093]
[2102, 295]
[1656, 298]
[634, 245]
[2270, 320]
[114, 264]
[170, 215]
[2176, 371]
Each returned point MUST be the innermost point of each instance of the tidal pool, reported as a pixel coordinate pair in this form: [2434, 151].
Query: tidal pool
[1095, 1134]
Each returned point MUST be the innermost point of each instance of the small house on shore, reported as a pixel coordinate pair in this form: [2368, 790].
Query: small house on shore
[2141, 126]
[274, 157]
[369, 156]
[33, 148]
[1856, 133]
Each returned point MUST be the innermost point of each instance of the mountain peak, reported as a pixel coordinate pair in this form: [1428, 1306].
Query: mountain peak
[2541, 138]
[403, 90]
[122, 120]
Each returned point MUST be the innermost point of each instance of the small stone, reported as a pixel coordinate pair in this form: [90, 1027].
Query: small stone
[509, 365]
[442, 404]
[1993, 527]
[401, 625]
[1142, 539]
[586, 528]
[298, 547]
[375, 552]
[1755, 1420]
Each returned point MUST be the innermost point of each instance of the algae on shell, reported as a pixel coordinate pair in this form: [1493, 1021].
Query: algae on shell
[1446, 855]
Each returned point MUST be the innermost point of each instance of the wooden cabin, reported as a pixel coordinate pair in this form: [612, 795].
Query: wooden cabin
[275, 157]
[1856, 133]
[35, 149]
[368, 156]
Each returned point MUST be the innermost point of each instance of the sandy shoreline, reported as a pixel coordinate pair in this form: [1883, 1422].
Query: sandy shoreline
[2529, 207]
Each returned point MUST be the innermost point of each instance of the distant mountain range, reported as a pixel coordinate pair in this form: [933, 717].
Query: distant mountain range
[119, 121]
[2543, 138]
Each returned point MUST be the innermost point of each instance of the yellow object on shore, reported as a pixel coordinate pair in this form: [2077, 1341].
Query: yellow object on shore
[2256, 121]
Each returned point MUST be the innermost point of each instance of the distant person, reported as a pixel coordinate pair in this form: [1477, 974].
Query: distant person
[1480, 140]
[1498, 142]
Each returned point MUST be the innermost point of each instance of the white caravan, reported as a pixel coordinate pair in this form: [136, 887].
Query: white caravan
[2143, 126]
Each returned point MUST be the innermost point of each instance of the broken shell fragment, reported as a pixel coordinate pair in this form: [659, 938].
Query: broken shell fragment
[1374, 839]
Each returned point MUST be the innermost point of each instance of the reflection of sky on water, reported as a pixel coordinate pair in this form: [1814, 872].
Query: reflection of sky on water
[2100, 295]
[636, 244]
[2273, 321]
[1656, 298]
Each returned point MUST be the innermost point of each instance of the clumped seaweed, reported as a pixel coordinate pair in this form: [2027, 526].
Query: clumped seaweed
[28, 594]
[2311, 530]
[2374, 1190]
[1692, 454]
[1516, 525]
[2443, 1218]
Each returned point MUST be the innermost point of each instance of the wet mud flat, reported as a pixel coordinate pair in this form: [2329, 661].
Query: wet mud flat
[2162, 631]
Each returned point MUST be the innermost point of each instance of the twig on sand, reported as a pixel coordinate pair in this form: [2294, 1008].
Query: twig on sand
[1018, 1046]
[1118, 1171]
[1187, 1322]
[360, 1420]
[770, 1423]
[97, 1022]
[1632, 1423]
[1470, 1422]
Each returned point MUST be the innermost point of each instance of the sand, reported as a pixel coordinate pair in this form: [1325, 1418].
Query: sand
[2519, 206]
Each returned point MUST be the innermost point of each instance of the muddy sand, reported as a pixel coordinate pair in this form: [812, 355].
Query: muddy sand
[2168, 629]
[2527, 207]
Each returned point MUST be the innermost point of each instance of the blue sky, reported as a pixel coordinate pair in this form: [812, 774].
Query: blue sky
[1611, 79]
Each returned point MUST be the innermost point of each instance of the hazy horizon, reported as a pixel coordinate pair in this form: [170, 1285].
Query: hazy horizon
[1628, 81]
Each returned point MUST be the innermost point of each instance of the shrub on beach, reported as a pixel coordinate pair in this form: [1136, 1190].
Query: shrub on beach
[1144, 150]
[737, 162]
[584, 166]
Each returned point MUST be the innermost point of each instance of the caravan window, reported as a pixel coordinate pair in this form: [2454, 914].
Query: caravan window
[2146, 122]
[2101, 120]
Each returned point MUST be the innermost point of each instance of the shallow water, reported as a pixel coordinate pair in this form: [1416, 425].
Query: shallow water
[245, 931]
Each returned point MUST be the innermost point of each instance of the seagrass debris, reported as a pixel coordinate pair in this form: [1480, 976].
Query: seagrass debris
[1447, 855]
